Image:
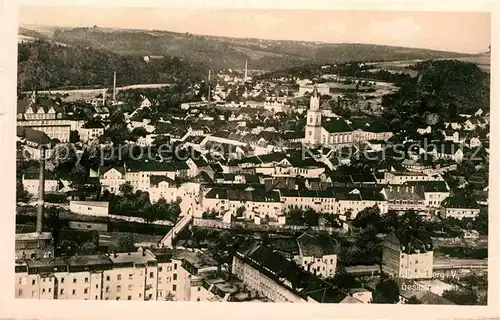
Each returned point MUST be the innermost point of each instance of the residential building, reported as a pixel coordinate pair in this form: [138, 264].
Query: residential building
[408, 254]
[318, 254]
[459, 207]
[31, 182]
[351, 200]
[90, 131]
[112, 178]
[405, 197]
[281, 280]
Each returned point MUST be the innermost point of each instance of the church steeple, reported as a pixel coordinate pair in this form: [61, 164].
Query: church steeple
[314, 103]
[315, 92]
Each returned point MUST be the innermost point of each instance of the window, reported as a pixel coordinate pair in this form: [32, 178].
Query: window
[97, 297]
[119, 277]
[86, 291]
[20, 292]
[117, 298]
[107, 289]
[62, 291]
[160, 269]
[118, 288]
[175, 266]
[199, 288]
[175, 276]
[130, 287]
[197, 299]
[62, 280]
[151, 275]
[74, 280]
[74, 291]
[174, 287]
[86, 280]
[131, 275]
[96, 286]
[129, 298]
[43, 290]
[50, 290]
[33, 282]
[108, 278]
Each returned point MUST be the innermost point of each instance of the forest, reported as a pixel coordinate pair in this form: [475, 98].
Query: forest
[43, 65]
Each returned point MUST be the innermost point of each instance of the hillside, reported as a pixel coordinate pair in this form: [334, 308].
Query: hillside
[222, 52]
[43, 65]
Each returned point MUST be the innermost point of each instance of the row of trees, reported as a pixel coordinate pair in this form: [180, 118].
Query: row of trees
[138, 205]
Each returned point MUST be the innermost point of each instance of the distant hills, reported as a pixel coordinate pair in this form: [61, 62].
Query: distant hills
[223, 52]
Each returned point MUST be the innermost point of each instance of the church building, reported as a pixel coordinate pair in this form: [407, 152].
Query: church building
[333, 133]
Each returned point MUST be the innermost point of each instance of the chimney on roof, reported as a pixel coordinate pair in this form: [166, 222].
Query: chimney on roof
[41, 192]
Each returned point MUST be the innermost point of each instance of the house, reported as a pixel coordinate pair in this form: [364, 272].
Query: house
[246, 203]
[445, 150]
[138, 172]
[91, 208]
[408, 254]
[162, 187]
[452, 135]
[403, 198]
[31, 182]
[469, 125]
[459, 207]
[479, 112]
[319, 201]
[317, 254]
[31, 141]
[90, 131]
[349, 201]
[112, 178]
[434, 192]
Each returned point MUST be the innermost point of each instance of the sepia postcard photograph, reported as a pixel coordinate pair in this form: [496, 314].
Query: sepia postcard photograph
[263, 155]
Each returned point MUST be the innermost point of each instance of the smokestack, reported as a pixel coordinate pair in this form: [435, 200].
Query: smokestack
[114, 86]
[41, 192]
[246, 69]
[104, 97]
[209, 89]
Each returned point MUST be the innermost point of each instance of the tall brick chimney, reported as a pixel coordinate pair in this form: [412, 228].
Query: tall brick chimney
[41, 192]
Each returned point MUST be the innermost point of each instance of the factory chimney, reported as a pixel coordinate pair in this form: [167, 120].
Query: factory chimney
[104, 97]
[246, 70]
[114, 86]
[41, 192]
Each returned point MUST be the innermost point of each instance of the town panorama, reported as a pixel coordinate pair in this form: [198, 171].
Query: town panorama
[236, 170]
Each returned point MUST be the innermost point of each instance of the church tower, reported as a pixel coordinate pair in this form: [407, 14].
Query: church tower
[313, 126]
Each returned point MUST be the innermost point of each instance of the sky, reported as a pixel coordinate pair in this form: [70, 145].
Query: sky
[465, 32]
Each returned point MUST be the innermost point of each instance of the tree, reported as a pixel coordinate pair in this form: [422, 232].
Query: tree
[78, 176]
[126, 189]
[463, 296]
[74, 136]
[126, 242]
[368, 216]
[68, 247]
[240, 211]
[88, 248]
[386, 291]
[311, 218]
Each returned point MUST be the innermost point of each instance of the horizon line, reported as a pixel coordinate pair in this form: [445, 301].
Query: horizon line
[22, 25]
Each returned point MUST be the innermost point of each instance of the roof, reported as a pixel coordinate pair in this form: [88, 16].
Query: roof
[430, 186]
[33, 135]
[34, 174]
[101, 204]
[33, 236]
[86, 260]
[152, 165]
[317, 245]
[411, 240]
[93, 125]
[304, 193]
[336, 125]
[155, 180]
[358, 194]
[254, 195]
[131, 257]
[460, 201]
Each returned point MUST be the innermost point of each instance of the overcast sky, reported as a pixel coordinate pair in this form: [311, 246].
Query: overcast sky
[467, 32]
